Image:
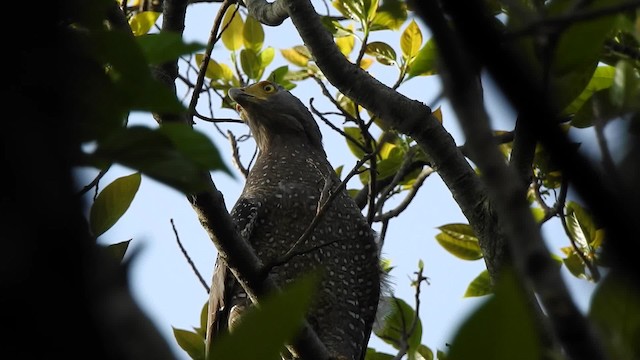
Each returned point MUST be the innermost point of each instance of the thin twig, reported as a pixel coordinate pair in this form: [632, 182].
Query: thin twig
[236, 154]
[335, 128]
[94, 182]
[186, 256]
[213, 38]
[424, 174]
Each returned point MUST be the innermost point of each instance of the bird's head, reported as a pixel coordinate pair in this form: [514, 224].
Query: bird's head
[274, 114]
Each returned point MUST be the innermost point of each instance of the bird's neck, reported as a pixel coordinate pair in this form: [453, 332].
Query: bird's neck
[284, 145]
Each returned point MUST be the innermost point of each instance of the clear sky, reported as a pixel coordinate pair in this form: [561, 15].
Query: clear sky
[166, 287]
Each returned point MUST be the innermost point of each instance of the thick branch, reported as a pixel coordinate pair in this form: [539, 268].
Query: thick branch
[611, 205]
[409, 117]
[527, 246]
[272, 14]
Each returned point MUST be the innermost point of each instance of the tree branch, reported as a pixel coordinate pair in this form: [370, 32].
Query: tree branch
[409, 117]
[531, 258]
[272, 14]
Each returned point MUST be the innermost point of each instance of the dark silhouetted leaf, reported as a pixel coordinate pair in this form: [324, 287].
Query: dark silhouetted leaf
[286, 309]
[112, 202]
[166, 46]
[501, 329]
[118, 250]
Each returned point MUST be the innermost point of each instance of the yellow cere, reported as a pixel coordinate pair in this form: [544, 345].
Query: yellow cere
[261, 89]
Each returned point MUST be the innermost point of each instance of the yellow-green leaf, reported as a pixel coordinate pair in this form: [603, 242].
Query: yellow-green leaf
[459, 240]
[296, 56]
[425, 62]
[383, 52]
[411, 40]
[266, 57]
[370, 8]
[602, 78]
[232, 33]
[112, 202]
[345, 44]
[250, 63]
[365, 63]
[355, 135]
[480, 286]
[191, 342]
[142, 22]
[252, 34]
[215, 70]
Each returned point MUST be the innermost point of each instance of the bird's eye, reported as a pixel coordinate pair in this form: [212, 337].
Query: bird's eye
[268, 88]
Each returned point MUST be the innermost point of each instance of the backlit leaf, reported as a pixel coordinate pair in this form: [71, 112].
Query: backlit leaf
[390, 15]
[112, 202]
[191, 342]
[480, 286]
[383, 52]
[250, 63]
[425, 61]
[345, 44]
[232, 29]
[165, 46]
[602, 78]
[411, 40]
[459, 240]
[355, 135]
[295, 56]
[252, 34]
[143, 21]
[398, 324]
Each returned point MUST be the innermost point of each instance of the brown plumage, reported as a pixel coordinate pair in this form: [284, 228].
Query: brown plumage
[279, 201]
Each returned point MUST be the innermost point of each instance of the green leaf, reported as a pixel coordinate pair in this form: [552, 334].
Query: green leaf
[615, 311]
[625, 91]
[215, 70]
[279, 76]
[355, 134]
[296, 55]
[195, 146]
[191, 342]
[425, 63]
[501, 329]
[265, 58]
[390, 15]
[397, 325]
[581, 227]
[252, 34]
[353, 9]
[165, 46]
[142, 22]
[174, 156]
[383, 52]
[423, 353]
[602, 79]
[250, 63]
[204, 319]
[575, 265]
[286, 309]
[112, 202]
[480, 286]
[370, 9]
[118, 250]
[345, 44]
[459, 240]
[129, 71]
[372, 354]
[411, 40]
[232, 29]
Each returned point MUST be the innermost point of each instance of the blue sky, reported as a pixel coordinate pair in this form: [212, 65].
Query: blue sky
[166, 287]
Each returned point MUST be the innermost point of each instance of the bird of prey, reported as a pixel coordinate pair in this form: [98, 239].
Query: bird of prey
[283, 192]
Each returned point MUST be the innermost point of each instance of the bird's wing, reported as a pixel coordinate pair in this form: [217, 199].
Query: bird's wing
[224, 286]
